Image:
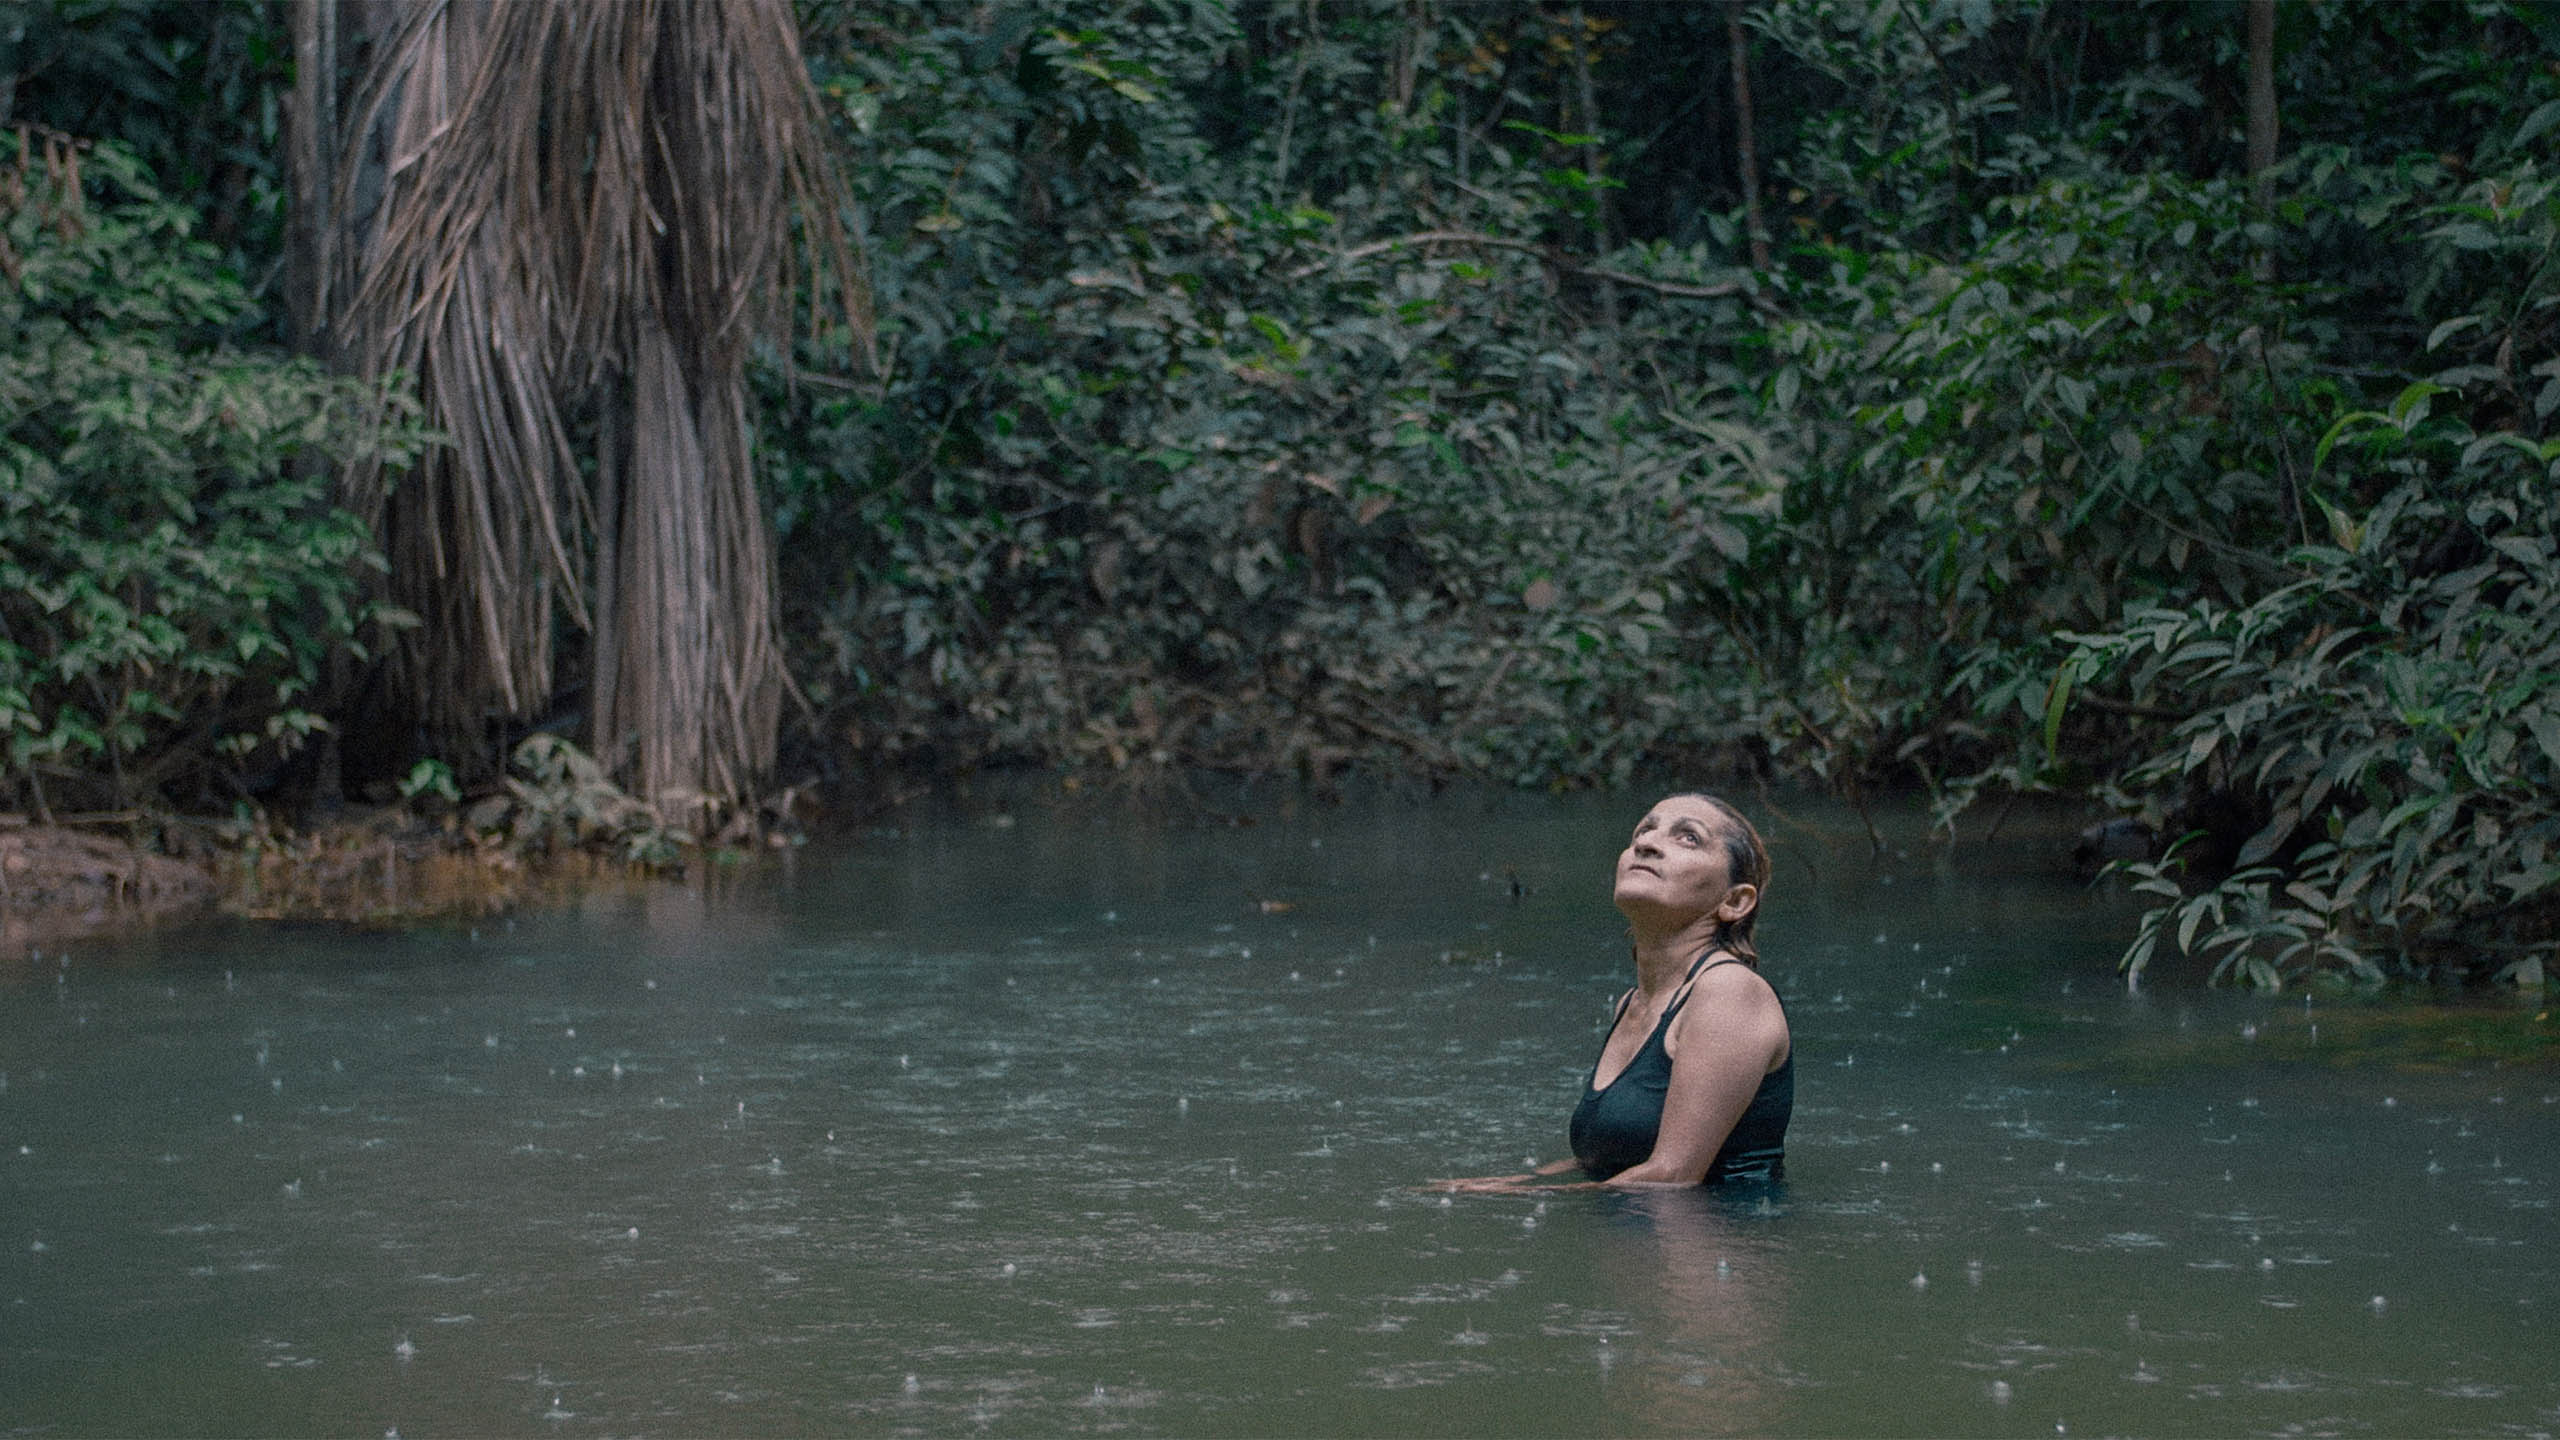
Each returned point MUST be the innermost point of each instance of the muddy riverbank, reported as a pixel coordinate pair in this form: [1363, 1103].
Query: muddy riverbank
[59, 883]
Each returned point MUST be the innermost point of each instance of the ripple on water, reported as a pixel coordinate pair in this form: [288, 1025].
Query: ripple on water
[2288, 1382]
[1418, 1374]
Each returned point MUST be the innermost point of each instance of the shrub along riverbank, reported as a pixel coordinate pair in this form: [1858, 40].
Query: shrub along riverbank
[1964, 397]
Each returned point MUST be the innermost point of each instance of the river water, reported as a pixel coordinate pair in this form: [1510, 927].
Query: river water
[1041, 1116]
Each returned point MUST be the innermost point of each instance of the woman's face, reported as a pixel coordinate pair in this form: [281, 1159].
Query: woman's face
[1675, 865]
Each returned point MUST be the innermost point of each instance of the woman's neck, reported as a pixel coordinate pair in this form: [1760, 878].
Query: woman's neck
[1663, 957]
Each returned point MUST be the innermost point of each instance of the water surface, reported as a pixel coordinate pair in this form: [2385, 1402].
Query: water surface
[1033, 1117]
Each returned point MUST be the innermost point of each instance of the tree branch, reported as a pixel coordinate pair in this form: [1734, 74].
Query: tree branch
[1676, 289]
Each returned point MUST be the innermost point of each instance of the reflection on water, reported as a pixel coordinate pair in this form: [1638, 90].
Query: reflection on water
[1033, 1120]
[1707, 1286]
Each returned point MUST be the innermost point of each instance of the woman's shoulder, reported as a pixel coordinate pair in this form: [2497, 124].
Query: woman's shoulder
[1736, 1007]
[1733, 985]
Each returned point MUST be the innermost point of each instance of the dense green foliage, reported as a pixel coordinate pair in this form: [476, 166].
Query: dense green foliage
[1395, 385]
[173, 581]
[1273, 387]
[1157, 472]
[193, 88]
[2397, 708]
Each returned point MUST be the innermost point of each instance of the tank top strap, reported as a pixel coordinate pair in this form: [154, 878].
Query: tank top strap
[1706, 961]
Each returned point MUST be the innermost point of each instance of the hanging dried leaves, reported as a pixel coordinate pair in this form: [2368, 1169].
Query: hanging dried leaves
[585, 216]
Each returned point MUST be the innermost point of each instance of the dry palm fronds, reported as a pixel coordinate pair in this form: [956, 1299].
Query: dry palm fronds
[587, 214]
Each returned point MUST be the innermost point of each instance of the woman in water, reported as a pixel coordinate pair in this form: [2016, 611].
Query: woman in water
[1697, 1078]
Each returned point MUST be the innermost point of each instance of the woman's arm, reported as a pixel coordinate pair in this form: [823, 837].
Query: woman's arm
[1496, 1184]
[1729, 1034]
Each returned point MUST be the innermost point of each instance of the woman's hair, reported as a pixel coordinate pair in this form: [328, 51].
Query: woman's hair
[1746, 862]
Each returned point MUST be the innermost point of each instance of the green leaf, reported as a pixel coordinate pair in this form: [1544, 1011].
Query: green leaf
[2409, 408]
[2454, 326]
[2543, 118]
[2545, 726]
[2266, 841]
[2187, 923]
[2338, 430]
[2057, 699]
[2200, 748]
[2407, 810]
[2347, 533]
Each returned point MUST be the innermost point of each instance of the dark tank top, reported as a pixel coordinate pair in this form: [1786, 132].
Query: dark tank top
[1615, 1128]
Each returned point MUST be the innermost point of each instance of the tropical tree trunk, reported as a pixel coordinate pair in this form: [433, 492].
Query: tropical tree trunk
[1746, 152]
[1586, 37]
[310, 162]
[2262, 91]
[2262, 115]
[584, 220]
